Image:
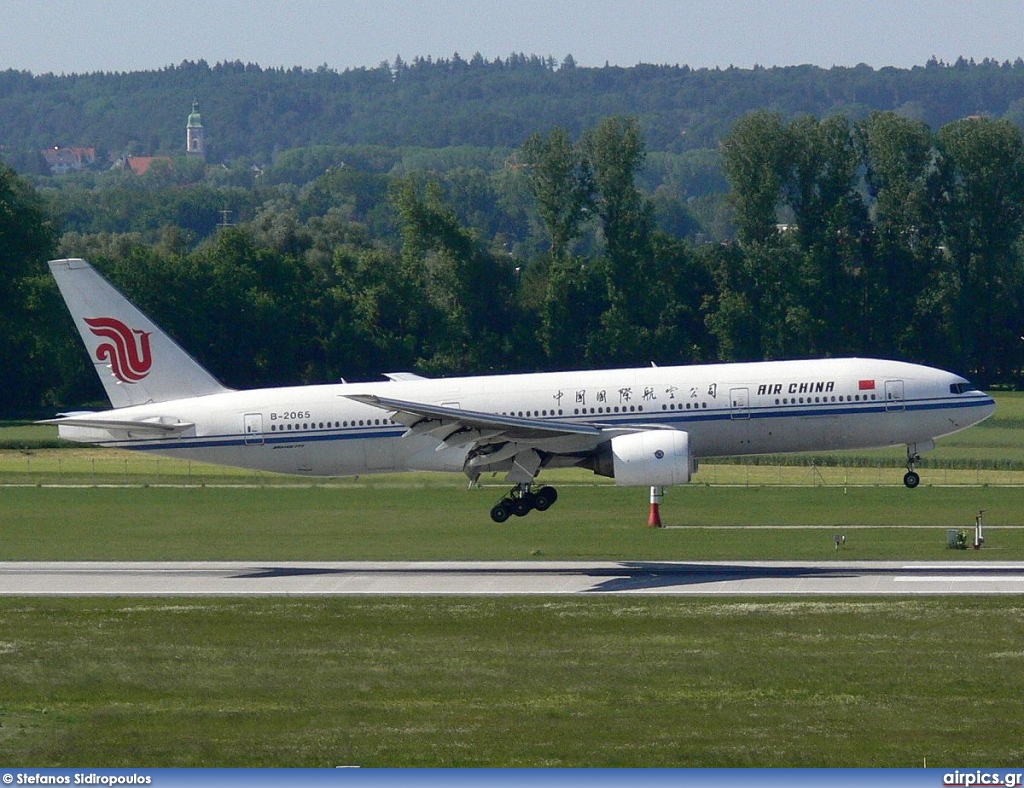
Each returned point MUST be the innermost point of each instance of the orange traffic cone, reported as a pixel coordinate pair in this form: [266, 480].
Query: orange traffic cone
[654, 521]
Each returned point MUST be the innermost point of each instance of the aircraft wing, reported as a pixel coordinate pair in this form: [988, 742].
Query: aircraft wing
[513, 427]
[492, 438]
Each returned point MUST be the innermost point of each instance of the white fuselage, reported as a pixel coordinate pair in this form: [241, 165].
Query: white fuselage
[727, 409]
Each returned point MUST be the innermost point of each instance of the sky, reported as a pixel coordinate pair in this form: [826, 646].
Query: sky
[81, 36]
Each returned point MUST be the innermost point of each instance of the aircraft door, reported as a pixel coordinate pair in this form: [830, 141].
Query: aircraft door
[739, 403]
[252, 426]
[894, 395]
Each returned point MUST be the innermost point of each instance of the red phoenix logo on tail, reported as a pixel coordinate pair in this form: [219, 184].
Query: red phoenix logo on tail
[127, 352]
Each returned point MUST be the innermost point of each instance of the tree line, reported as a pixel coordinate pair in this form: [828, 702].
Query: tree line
[876, 236]
[254, 113]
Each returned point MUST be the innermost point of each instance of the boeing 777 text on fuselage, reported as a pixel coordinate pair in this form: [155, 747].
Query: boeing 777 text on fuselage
[646, 426]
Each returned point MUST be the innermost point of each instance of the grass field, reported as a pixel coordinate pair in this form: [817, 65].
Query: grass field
[431, 523]
[512, 681]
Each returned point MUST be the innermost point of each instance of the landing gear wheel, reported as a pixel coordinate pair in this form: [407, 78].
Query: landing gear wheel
[501, 511]
[522, 505]
[521, 500]
[544, 498]
[911, 479]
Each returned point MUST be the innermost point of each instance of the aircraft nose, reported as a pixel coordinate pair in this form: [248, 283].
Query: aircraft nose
[982, 409]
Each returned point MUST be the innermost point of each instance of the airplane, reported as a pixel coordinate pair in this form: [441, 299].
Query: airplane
[646, 426]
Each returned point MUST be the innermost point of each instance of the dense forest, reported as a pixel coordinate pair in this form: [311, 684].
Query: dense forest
[569, 238]
[255, 113]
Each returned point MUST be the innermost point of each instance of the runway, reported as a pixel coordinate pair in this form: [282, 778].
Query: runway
[287, 578]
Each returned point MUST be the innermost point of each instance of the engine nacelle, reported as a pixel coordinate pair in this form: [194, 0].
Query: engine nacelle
[645, 459]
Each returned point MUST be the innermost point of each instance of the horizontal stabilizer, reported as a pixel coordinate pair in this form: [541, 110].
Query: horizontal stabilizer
[156, 426]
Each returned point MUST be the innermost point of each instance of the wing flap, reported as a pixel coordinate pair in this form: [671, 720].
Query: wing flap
[512, 427]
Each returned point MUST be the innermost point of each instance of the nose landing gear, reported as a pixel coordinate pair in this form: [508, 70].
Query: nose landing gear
[911, 477]
[521, 500]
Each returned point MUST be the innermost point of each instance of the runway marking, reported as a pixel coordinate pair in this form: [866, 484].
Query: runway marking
[990, 566]
[979, 579]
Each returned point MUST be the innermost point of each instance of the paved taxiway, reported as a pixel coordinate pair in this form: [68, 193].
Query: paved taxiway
[476, 578]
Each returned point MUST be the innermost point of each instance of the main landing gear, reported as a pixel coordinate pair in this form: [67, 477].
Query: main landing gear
[521, 500]
[911, 478]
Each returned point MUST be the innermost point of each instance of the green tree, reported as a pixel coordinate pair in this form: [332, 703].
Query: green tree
[982, 213]
[26, 232]
[472, 290]
[26, 239]
[756, 157]
[615, 150]
[900, 177]
[756, 312]
[561, 181]
[379, 318]
[683, 283]
[758, 309]
[831, 231]
[574, 300]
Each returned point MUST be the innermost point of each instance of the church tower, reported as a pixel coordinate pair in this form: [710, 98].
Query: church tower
[195, 145]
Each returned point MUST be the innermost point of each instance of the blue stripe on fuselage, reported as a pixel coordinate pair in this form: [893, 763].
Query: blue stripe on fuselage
[606, 420]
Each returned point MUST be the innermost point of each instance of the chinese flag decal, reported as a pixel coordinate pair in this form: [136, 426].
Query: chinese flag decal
[866, 385]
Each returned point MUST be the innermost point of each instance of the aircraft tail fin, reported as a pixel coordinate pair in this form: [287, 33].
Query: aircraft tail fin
[136, 361]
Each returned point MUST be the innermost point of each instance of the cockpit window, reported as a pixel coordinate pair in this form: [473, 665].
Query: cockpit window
[960, 388]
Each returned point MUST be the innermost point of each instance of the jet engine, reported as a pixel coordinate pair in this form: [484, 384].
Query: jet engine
[643, 459]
